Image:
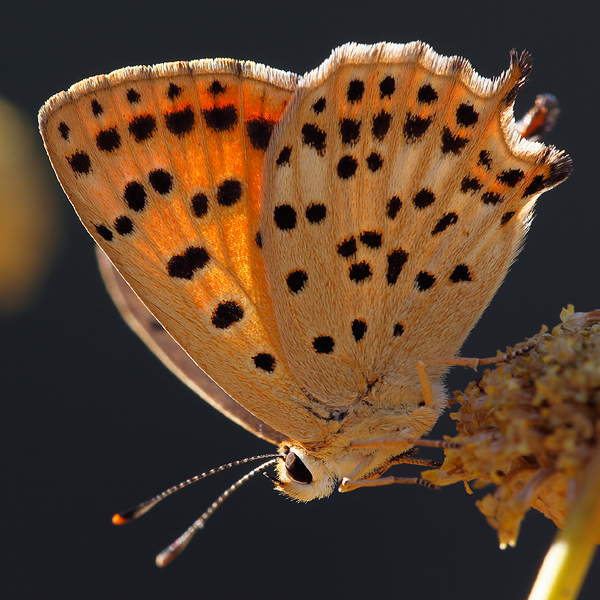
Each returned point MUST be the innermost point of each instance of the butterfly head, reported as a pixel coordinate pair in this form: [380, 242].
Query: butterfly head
[303, 476]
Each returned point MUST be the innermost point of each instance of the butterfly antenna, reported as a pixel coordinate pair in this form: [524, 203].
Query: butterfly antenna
[141, 509]
[168, 554]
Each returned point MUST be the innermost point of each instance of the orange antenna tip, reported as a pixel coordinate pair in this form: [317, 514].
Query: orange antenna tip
[119, 519]
[135, 512]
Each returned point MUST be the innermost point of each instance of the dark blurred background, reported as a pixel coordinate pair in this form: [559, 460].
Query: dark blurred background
[92, 423]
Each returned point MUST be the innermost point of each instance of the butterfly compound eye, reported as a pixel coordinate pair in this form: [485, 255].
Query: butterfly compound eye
[296, 469]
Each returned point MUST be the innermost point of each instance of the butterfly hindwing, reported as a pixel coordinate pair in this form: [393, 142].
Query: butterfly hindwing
[397, 196]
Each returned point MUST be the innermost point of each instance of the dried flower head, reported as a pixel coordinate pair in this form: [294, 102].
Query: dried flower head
[530, 426]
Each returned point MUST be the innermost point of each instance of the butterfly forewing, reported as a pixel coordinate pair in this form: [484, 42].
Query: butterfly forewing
[397, 196]
[163, 166]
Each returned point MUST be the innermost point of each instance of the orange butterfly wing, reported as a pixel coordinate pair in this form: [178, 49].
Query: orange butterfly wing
[163, 166]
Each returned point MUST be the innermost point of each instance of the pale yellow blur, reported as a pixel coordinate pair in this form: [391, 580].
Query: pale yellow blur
[28, 221]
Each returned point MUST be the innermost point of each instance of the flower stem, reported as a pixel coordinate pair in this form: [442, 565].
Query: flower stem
[569, 558]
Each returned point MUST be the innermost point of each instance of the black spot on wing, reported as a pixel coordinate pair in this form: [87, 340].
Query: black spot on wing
[452, 143]
[314, 137]
[356, 89]
[173, 91]
[180, 122]
[229, 192]
[184, 265]
[393, 207]
[460, 273]
[346, 167]
[97, 109]
[415, 126]
[161, 181]
[470, 184]
[349, 130]
[360, 271]
[506, 217]
[398, 329]
[396, 260]
[374, 162]
[135, 196]
[264, 361]
[323, 344]
[259, 132]
[426, 94]
[227, 314]
[381, 125]
[319, 106]
[123, 225]
[316, 212]
[285, 217]
[536, 185]
[63, 129]
[133, 96]
[200, 205]
[216, 88]
[423, 198]
[491, 198]
[510, 177]
[284, 156]
[424, 280]
[466, 115]
[104, 232]
[221, 119]
[485, 160]
[296, 280]
[108, 140]
[80, 163]
[445, 222]
[387, 87]
[371, 239]
[347, 248]
[142, 127]
[359, 328]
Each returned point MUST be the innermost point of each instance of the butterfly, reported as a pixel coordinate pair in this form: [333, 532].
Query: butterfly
[306, 240]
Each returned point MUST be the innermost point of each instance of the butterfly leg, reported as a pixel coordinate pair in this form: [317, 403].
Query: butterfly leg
[402, 441]
[458, 361]
[348, 485]
[406, 459]
[540, 119]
